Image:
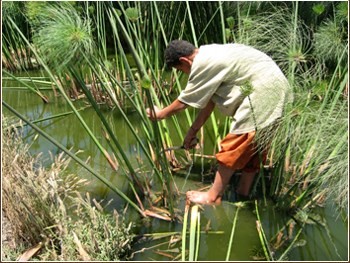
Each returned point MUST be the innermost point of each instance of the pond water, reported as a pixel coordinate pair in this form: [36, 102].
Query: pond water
[318, 242]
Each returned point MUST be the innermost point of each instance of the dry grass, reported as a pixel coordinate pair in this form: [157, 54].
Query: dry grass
[47, 211]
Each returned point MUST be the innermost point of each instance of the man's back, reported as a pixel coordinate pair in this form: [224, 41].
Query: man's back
[220, 72]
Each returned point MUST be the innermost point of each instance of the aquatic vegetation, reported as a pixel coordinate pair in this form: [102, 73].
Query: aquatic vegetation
[194, 234]
[60, 35]
[109, 54]
[234, 222]
[15, 53]
[331, 37]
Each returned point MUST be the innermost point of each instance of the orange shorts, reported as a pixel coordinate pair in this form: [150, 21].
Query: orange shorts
[239, 152]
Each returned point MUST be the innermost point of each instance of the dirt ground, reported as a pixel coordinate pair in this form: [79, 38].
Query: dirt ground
[6, 234]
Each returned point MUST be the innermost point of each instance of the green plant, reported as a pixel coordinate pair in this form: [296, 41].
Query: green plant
[15, 54]
[74, 40]
[331, 37]
[308, 150]
[60, 35]
[234, 222]
[194, 234]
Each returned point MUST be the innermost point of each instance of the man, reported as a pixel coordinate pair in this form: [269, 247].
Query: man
[241, 82]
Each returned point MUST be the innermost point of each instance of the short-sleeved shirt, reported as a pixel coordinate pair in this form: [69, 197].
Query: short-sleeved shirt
[222, 72]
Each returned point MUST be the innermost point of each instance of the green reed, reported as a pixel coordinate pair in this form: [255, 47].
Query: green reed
[194, 234]
[264, 242]
[299, 152]
[92, 136]
[317, 146]
[156, 136]
[234, 222]
[76, 73]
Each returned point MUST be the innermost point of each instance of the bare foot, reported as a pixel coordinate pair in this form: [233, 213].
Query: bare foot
[203, 198]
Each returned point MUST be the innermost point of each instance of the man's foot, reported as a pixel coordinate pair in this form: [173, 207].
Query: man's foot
[203, 198]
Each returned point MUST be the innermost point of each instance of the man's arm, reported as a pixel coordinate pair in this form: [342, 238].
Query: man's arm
[202, 117]
[159, 114]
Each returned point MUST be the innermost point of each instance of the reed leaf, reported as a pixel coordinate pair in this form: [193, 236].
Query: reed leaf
[60, 115]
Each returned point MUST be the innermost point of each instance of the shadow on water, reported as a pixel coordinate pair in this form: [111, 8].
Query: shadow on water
[323, 239]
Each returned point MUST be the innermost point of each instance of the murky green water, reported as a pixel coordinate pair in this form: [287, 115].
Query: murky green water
[326, 240]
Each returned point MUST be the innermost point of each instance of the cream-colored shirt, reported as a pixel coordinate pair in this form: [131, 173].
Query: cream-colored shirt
[220, 72]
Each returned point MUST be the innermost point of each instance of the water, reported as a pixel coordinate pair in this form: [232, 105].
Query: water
[323, 241]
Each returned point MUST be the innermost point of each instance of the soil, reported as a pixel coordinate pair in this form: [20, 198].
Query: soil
[7, 239]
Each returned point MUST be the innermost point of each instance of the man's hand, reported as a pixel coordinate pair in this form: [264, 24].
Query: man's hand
[202, 117]
[190, 140]
[160, 114]
[154, 114]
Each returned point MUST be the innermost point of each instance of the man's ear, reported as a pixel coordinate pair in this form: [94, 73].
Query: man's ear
[185, 60]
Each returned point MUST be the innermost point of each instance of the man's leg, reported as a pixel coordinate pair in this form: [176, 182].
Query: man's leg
[214, 194]
[245, 183]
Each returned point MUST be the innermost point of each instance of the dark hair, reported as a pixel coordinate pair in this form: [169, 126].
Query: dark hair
[177, 49]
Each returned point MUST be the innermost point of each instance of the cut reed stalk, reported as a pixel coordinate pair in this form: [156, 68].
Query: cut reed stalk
[194, 238]
[184, 230]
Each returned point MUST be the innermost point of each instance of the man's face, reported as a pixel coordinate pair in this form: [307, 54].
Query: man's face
[184, 67]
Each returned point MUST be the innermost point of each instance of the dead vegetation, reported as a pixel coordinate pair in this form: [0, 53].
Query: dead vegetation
[46, 217]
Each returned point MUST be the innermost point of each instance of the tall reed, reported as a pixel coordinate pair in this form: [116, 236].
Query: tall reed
[15, 53]
[93, 137]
